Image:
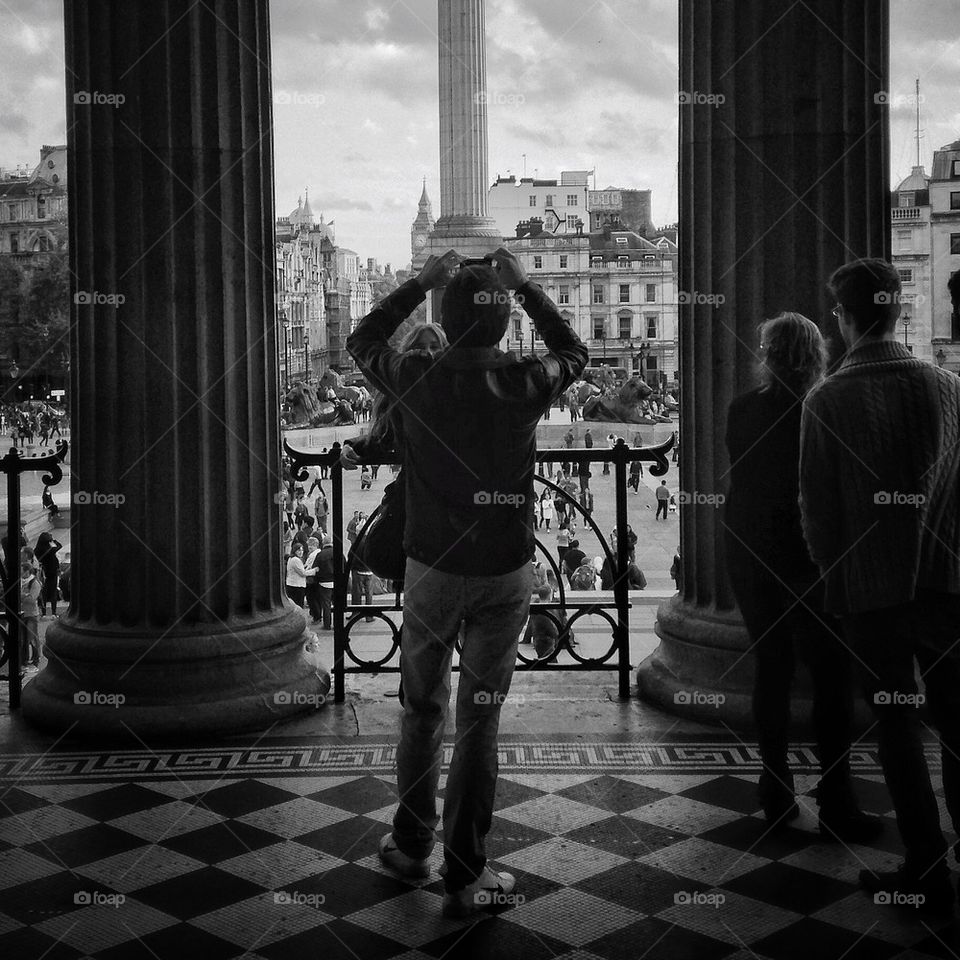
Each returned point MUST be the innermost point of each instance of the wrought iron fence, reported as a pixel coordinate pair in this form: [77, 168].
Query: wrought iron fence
[615, 612]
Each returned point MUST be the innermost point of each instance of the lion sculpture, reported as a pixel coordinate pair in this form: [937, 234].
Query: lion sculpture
[308, 409]
[622, 405]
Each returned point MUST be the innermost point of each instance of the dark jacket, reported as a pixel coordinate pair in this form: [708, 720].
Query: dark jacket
[762, 510]
[469, 420]
[324, 564]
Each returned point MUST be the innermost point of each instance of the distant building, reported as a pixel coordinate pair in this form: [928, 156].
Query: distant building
[925, 235]
[33, 206]
[621, 208]
[617, 288]
[301, 313]
[560, 205]
[420, 230]
[348, 299]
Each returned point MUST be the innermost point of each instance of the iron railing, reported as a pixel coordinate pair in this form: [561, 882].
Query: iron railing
[615, 612]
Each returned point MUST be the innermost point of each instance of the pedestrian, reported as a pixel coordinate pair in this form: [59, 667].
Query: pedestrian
[311, 592]
[48, 504]
[355, 524]
[565, 534]
[297, 573]
[611, 441]
[324, 575]
[366, 477]
[663, 500]
[880, 508]
[361, 585]
[46, 555]
[321, 510]
[588, 439]
[546, 508]
[313, 472]
[29, 617]
[777, 585]
[568, 443]
[324, 468]
[636, 472]
[469, 412]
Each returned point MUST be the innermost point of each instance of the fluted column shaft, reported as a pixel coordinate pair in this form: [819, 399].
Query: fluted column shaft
[178, 601]
[784, 176]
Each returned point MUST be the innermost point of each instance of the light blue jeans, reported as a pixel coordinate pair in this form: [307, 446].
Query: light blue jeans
[493, 610]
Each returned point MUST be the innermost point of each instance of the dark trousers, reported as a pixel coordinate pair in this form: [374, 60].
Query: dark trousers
[312, 595]
[634, 481]
[784, 618]
[662, 506]
[887, 641]
[325, 597]
[296, 594]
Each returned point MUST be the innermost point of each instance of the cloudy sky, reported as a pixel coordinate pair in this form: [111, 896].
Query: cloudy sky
[356, 98]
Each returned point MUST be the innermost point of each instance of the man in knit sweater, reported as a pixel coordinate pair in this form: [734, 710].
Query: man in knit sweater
[880, 505]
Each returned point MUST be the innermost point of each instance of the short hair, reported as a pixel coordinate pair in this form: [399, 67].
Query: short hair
[796, 354]
[475, 308]
[869, 290]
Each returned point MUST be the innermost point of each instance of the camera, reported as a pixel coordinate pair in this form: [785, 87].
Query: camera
[477, 262]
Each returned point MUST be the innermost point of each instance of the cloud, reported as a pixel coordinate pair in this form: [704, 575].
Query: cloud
[327, 202]
[15, 124]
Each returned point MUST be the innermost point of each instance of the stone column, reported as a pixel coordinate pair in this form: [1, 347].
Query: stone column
[784, 176]
[463, 225]
[178, 622]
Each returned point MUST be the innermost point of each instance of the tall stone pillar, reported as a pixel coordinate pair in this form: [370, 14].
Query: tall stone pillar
[178, 622]
[784, 176]
[463, 225]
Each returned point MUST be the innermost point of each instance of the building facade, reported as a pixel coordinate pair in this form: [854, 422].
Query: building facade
[618, 290]
[945, 252]
[560, 205]
[33, 206]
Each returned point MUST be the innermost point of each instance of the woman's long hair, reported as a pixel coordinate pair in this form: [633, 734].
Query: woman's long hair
[386, 426]
[795, 355]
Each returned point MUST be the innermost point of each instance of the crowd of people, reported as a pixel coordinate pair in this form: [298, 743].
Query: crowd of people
[28, 423]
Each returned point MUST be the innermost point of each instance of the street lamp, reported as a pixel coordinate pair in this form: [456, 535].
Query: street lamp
[285, 323]
[306, 356]
[905, 320]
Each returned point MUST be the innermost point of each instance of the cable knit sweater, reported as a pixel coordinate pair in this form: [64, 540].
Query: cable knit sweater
[880, 478]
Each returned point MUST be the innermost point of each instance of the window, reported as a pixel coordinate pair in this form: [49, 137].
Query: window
[908, 199]
[42, 244]
[596, 261]
[955, 243]
[563, 261]
[41, 208]
[651, 319]
[651, 293]
[624, 292]
[622, 241]
[571, 199]
[598, 293]
[533, 199]
[598, 328]
[14, 242]
[623, 263]
[549, 199]
[564, 295]
[906, 276]
[538, 263]
[649, 256]
[903, 239]
[517, 330]
[626, 323]
[956, 168]
[572, 222]
[955, 199]
[651, 363]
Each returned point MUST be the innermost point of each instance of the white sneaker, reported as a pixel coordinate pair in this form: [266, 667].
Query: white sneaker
[488, 890]
[393, 857]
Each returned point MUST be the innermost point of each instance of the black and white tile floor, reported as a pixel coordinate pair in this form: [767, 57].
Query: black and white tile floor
[621, 850]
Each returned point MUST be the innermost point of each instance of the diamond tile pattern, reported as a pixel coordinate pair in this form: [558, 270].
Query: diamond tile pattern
[609, 864]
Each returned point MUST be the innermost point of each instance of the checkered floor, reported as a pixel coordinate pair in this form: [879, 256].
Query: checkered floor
[621, 850]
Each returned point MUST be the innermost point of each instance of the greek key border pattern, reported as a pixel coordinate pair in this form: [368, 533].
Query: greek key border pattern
[365, 758]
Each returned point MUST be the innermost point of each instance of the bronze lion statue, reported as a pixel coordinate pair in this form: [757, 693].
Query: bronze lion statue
[621, 405]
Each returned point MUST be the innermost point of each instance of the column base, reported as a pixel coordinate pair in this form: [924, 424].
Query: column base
[246, 675]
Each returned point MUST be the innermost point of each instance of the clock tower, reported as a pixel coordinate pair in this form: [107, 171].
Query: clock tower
[420, 231]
